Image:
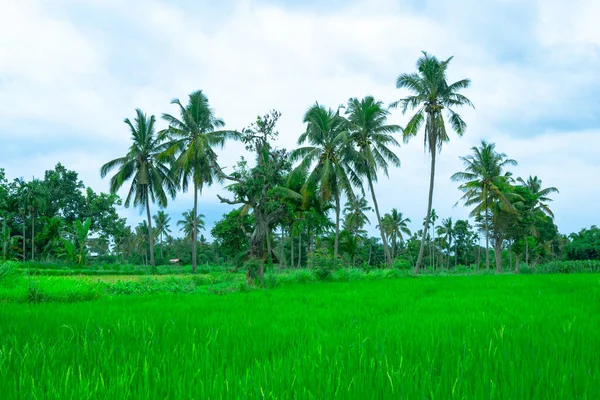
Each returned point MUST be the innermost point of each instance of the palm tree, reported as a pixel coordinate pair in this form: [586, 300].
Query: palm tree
[446, 231]
[22, 195]
[484, 182]
[142, 233]
[539, 206]
[431, 94]
[188, 222]
[373, 139]
[36, 199]
[162, 220]
[329, 150]
[395, 225]
[151, 180]
[193, 137]
[355, 214]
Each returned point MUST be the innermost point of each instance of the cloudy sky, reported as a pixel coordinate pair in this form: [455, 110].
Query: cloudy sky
[72, 70]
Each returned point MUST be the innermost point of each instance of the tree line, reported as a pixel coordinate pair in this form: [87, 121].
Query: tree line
[285, 198]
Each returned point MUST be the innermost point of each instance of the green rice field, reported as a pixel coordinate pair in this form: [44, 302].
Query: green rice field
[434, 337]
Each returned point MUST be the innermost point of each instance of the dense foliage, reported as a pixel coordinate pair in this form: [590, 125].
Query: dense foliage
[297, 207]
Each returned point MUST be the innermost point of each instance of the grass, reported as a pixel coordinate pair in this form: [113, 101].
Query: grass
[530, 336]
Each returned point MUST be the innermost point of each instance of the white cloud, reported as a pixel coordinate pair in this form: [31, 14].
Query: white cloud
[68, 75]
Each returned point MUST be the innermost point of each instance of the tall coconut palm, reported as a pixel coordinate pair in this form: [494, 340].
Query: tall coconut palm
[36, 200]
[484, 180]
[430, 96]
[142, 233]
[193, 138]
[539, 205]
[162, 220]
[150, 177]
[330, 156]
[446, 232]
[355, 214]
[187, 224]
[373, 139]
[395, 225]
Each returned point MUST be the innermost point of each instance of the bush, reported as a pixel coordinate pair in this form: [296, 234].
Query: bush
[568, 267]
[324, 264]
[401, 263]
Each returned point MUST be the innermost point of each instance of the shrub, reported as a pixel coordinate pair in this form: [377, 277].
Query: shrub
[324, 264]
[401, 263]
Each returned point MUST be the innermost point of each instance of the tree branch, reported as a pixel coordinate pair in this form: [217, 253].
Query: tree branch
[223, 175]
[232, 202]
[275, 215]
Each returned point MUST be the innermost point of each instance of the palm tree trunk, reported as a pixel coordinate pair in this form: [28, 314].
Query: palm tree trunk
[24, 227]
[269, 249]
[455, 255]
[385, 243]
[150, 235]
[5, 239]
[308, 241]
[498, 254]
[195, 231]
[281, 251]
[292, 259]
[161, 246]
[478, 254]
[299, 249]
[32, 236]
[527, 250]
[429, 203]
[487, 236]
[510, 263]
[337, 225]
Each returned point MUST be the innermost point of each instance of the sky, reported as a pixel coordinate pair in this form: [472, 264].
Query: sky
[72, 70]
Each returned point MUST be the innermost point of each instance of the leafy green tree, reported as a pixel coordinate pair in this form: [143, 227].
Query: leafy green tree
[485, 182]
[373, 138]
[151, 180]
[464, 242]
[330, 156]
[430, 96]
[162, 221]
[230, 234]
[101, 209]
[193, 137]
[584, 245]
[188, 223]
[261, 188]
[64, 193]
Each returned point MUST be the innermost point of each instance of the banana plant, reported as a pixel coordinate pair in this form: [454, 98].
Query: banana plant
[76, 251]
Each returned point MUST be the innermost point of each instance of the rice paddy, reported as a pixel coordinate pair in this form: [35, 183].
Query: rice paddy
[447, 337]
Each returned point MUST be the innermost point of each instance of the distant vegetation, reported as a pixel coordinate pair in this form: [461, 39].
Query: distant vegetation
[294, 209]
